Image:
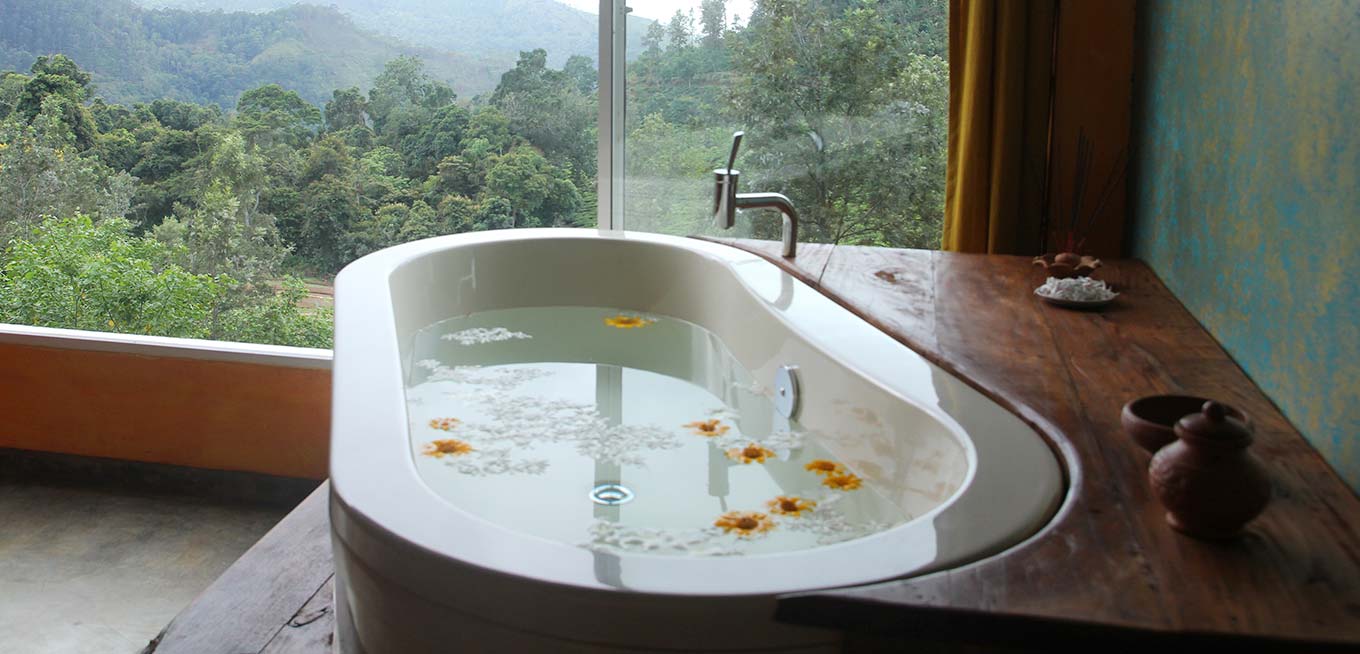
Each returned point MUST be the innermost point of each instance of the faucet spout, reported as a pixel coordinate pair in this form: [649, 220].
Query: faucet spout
[774, 201]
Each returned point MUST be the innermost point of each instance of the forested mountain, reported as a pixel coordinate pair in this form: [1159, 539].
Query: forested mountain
[137, 54]
[498, 29]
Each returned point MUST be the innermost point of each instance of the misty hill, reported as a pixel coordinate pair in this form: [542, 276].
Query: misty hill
[494, 28]
[138, 54]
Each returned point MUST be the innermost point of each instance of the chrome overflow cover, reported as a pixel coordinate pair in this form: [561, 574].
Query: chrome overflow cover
[611, 494]
[786, 391]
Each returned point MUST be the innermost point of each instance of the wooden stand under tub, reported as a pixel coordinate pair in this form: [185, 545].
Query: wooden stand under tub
[1107, 573]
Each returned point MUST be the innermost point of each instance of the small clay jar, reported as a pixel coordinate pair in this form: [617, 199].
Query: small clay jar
[1209, 483]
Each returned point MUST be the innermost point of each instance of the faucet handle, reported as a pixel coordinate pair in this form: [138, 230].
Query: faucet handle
[736, 145]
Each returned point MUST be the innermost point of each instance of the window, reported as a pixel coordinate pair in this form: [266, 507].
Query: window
[173, 171]
[844, 105]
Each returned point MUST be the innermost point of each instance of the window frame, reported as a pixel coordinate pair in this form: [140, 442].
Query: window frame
[612, 100]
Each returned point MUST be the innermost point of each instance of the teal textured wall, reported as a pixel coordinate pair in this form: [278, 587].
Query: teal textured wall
[1247, 193]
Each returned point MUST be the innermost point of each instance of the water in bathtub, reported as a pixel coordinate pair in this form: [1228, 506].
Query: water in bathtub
[622, 432]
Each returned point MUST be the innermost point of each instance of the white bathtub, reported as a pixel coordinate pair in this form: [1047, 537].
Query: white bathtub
[417, 574]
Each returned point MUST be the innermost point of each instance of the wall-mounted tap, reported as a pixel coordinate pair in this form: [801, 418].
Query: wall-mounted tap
[726, 200]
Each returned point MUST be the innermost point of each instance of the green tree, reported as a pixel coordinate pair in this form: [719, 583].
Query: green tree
[455, 176]
[381, 180]
[358, 137]
[391, 225]
[581, 70]
[216, 238]
[11, 89]
[183, 116]
[684, 84]
[76, 273]
[230, 162]
[680, 31]
[403, 96]
[654, 39]
[547, 108]
[329, 212]
[62, 66]
[492, 127]
[43, 173]
[493, 213]
[347, 108]
[328, 156]
[713, 21]
[279, 320]
[456, 214]
[812, 58]
[441, 136]
[59, 87]
[540, 194]
[271, 114]
[164, 172]
[114, 117]
[118, 149]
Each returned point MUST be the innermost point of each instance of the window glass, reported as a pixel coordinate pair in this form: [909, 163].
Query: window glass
[844, 104]
[203, 168]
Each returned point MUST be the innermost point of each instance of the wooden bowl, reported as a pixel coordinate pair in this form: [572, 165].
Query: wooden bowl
[1151, 420]
[1066, 264]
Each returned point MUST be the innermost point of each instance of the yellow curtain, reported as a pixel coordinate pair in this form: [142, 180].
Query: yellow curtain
[1000, 53]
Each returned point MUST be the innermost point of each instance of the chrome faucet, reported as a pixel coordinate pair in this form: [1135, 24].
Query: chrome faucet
[726, 201]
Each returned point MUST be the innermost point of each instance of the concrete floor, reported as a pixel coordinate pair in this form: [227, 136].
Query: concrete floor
[100, 570]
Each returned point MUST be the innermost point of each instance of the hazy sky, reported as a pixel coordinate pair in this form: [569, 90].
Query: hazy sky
[664, 9]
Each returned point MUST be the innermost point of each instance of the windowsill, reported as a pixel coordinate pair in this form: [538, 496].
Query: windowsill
[164, 346]
[215, 405]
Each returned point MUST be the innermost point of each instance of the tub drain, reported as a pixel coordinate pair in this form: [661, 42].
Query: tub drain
[611, 495]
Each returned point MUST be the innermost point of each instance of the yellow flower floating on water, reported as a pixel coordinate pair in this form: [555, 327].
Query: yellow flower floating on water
[745, 523]
[749, 453]
[824, 467]
[844, 481]
[794, 506]
[709, 428]
[444, 424]
[447, 446]
[627, 322]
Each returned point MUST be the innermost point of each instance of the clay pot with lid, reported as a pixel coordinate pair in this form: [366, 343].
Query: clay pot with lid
[1209, 483]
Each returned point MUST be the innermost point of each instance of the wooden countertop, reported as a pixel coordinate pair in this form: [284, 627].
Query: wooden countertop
[1106, 572]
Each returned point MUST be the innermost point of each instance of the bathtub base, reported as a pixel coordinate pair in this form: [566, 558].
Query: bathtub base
[374, 614]
[346, 638]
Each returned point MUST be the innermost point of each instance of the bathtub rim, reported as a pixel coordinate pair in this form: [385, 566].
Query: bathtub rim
[380, 266]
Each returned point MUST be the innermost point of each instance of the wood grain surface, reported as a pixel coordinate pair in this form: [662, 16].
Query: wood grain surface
[1107, 571]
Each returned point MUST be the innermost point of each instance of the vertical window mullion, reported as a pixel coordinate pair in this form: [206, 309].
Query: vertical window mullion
[613, 51]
